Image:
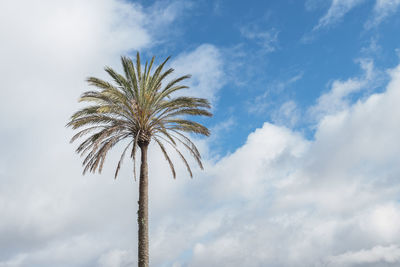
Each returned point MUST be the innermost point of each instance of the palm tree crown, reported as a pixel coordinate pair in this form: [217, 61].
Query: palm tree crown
[139, 108]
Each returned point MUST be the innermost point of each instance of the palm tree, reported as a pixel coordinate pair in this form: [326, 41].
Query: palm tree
[138, 107]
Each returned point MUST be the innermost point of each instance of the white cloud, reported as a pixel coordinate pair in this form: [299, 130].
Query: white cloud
[295, 203]
[312, 5]
[337, 98]
[205, 66]
[382, 10]
[336, 12]
[48, 50]
[262, 102]
[117, 258]
[268, 39]
[339, 8]
[288, 114]
[385, 254]
[61, 41]
[373, 47]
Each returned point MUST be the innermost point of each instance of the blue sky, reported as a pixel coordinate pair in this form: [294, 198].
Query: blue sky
[278, 53]
[302, 166]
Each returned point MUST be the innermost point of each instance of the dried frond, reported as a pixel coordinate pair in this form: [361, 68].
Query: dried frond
[164, 151]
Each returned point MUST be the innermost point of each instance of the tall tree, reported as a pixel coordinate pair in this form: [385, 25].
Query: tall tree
[141, 107]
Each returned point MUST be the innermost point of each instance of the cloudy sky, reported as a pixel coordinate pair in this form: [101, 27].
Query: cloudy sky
[302, 168]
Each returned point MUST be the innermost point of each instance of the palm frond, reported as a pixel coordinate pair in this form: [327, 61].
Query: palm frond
[191, 147]
[186, 126]
[180, 154]
[164, 151]
[133, 153]
[121, 159]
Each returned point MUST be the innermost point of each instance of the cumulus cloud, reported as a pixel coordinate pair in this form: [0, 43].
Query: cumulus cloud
[285, 201]
[55, 45]
[48, 50]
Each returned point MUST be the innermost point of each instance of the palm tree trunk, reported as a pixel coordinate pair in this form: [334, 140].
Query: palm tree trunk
[143, 250]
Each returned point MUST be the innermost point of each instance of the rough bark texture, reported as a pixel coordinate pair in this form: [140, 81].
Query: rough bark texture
[143, 250]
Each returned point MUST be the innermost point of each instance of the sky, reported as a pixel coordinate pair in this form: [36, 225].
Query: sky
[302, 167]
